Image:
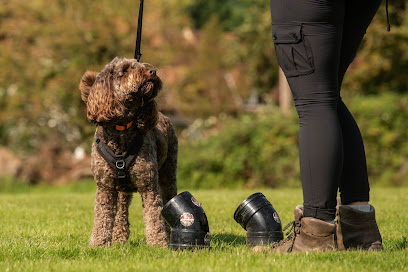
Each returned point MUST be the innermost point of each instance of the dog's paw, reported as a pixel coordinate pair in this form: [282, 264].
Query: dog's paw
[120, 237]
[157, 243]
[99, 243]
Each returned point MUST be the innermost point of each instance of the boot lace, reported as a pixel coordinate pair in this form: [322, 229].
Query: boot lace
[291, 230]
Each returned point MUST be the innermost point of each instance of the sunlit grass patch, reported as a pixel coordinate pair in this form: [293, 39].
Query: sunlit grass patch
[48, 230]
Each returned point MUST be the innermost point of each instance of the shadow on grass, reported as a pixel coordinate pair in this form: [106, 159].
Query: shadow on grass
[398, 243]
[139, 242]
[219, 238]
[228, 239]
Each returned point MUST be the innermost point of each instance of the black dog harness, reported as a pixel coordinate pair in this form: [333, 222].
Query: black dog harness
[121, 162]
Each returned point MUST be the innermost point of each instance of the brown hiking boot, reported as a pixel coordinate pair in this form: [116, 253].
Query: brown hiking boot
[307, 234]
[357, 229]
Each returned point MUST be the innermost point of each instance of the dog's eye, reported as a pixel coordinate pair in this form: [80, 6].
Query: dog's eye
[125, 69]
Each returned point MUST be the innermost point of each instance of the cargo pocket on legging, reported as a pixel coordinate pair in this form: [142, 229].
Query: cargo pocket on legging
[293, 51]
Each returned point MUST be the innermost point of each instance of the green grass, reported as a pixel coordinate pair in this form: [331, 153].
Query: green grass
[47, 229]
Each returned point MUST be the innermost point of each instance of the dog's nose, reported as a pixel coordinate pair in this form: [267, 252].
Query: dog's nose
[151, 73]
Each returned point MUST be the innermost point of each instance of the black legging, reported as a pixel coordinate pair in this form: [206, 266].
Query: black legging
[315, 42]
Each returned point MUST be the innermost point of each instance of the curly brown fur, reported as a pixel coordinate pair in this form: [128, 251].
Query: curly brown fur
[123, 92]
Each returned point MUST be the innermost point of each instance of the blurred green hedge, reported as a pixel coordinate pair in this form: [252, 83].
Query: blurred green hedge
[207, 52]
[261, 149]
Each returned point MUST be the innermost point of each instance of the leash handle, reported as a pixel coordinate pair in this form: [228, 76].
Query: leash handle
[138, 55]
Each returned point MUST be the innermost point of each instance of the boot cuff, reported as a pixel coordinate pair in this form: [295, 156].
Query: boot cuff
[351, 215]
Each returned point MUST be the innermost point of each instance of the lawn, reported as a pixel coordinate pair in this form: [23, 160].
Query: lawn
[47, 229]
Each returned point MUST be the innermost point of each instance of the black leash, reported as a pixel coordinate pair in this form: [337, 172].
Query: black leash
[138, 55]
[388, 16]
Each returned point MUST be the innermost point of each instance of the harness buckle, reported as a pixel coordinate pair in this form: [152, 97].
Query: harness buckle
[120, 164]
[121, 176]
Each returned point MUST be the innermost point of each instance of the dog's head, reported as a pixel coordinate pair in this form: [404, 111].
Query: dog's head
[122, 92]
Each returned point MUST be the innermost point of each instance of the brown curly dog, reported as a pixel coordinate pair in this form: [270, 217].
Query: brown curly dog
[120, 102]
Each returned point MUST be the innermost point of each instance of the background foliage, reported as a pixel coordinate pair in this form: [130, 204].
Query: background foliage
[214, 57]
[261, 149]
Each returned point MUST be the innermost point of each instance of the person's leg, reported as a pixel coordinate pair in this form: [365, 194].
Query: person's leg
[356, 224]
[307, 36]
[357, 17]
[354, 186]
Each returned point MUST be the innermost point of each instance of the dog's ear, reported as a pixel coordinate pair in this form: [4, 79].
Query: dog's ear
[87, 80]
[101, 104]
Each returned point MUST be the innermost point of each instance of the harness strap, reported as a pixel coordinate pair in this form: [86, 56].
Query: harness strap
[121, 162]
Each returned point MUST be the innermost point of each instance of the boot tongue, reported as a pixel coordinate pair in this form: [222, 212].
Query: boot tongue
[298, 212]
